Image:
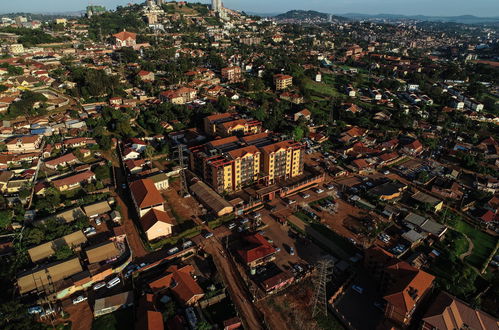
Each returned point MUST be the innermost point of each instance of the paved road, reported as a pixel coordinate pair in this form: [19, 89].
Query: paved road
[250, 316]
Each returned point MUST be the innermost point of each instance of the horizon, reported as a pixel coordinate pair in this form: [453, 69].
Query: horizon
[444, 8]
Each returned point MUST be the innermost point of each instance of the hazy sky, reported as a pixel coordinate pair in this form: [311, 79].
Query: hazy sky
[486, 8]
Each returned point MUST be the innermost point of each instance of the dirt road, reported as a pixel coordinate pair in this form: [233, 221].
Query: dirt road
[250, 316]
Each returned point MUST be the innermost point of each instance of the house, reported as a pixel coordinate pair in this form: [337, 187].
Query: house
[171, 97]
[156, 224]
[125, 39]
[96, 209]
[62, 161]
[161, 180]
[73, 181]
[135, 166]
[112, 303]
[136, 144]
[388, 191]
[446, 312]
[425, 199]
[305, 114]
[148, 318]
[28, 143]
[256, 251]
[101, 252]
[414, 148]
[146, 196]
[146, 76]
[179, 281]
[79, 142]
[403, 285]
[129, 154]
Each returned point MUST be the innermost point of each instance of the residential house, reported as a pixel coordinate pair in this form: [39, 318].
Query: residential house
[156, 224]
[305, 114]
[179, 281]
[403, 285]
[256, 251]
[28, 143]
[146, 196]
[125, 39]
[73, 181]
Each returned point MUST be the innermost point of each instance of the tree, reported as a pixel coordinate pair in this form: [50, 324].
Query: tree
[298, 133]
[204, 326]
[5, 218]
[63, 252]
[15, 316]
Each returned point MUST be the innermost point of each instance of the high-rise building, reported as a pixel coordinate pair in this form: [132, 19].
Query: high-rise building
[216, 5]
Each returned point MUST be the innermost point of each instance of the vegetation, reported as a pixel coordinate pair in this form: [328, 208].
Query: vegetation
[26, 105]
[32, 37]
[122, 319]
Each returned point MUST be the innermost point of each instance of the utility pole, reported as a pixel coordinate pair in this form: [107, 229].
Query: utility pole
[323, 274]
[184, 192]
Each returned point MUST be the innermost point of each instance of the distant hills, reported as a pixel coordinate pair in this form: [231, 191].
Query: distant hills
[302, 15]
[464, 19]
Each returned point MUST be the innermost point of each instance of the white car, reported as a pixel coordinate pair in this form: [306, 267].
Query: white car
[79, 299]
[115, 281]
[318, 190]
[99, 285]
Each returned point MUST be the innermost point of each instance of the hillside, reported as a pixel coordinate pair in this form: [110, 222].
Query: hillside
[465, 19]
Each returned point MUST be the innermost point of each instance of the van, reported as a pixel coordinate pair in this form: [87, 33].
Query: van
[115, 281]
[99, 285]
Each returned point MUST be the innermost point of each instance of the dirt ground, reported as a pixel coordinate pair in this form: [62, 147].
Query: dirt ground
[183, 208]
[80, 315]
[290, 309]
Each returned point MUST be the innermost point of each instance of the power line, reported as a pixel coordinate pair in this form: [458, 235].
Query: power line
[184, 192]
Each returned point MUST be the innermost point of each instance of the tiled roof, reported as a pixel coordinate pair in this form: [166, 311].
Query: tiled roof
[145, 193]
[257, 248]
[153, 216]
[180, 281]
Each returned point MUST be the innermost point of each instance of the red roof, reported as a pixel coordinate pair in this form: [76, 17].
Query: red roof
[77, 178]
[180, 282]
[257, 248]
[124, 35]
[145, 193]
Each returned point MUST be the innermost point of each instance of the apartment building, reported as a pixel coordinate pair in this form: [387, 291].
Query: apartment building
[232, 74]
[282, 81]
[282, 160]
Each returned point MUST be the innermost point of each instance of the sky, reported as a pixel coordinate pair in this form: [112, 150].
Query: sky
[484, 8]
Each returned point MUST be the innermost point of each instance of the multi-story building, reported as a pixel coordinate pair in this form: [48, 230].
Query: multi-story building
[282, 160]
[15, 48]
[125, 39]
[232, 74]
[282, 81]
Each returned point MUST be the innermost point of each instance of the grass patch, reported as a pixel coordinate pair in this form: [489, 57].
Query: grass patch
[483, 243]
[121, 319]
[220, 311]
[186, 234]
[321, 89]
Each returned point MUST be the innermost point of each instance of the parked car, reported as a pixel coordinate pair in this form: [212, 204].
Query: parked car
[187, 244]
[115, 281]
[292, 251]
[231, 225]
[173, 250]
[244, 221]
[329, 186]
[318, 190]
[98, 221]
[99, 285]
[358, 289]
[79, 299]
[35, 310]
[290, 201]
[207, 234]
[304, 195]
